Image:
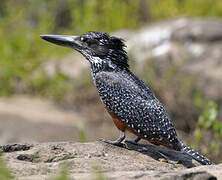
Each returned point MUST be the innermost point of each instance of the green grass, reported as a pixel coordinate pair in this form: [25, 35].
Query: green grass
[63, 173]
[173, 8]
[208, 133]
[98, 173]
[5, 174]
[22, 51]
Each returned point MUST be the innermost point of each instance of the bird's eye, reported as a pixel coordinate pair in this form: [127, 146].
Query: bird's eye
[88, 41]
[83, 39]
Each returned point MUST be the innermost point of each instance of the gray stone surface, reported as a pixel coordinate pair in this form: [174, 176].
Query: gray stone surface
[94, 159]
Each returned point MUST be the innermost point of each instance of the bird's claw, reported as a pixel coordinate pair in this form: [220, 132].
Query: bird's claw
[168, 161]
[117, 143]
[131, 141]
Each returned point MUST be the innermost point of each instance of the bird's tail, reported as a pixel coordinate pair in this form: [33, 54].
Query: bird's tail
[194, 154]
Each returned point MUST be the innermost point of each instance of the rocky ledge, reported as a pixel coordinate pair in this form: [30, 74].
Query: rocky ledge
[97, 160]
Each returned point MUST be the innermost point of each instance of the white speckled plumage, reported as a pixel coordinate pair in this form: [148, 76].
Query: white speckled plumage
[133, 102]
[125, 95]
[135, 106]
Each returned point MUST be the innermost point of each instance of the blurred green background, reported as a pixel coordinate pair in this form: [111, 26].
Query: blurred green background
[21, 23]
[22, 51]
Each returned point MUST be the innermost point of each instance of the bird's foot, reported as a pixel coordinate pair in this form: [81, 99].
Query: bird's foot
[166, 159]
[116, 143]
[133, 141]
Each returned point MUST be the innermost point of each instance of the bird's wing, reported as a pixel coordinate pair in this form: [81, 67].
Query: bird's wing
[127, 101]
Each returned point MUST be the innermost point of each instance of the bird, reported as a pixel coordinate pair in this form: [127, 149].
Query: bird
[130, 102]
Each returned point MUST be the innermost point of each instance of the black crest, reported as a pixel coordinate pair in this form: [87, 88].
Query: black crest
[107, 47]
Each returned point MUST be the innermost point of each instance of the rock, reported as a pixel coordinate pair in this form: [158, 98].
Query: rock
[96, 159]
[15, 147]
[26, 157]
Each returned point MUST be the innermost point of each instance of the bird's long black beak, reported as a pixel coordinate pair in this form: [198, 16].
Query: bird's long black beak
[67, 41]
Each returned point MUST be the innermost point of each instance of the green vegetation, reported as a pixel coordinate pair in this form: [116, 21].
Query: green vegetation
[63, 173]
[22, 51]
[36, 157]
[5, 174]
[98, 172]
[208, 133]
[21, 23]
[83, 137]
[173, 8]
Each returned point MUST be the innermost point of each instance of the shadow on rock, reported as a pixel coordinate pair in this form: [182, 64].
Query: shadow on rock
[160, 153]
